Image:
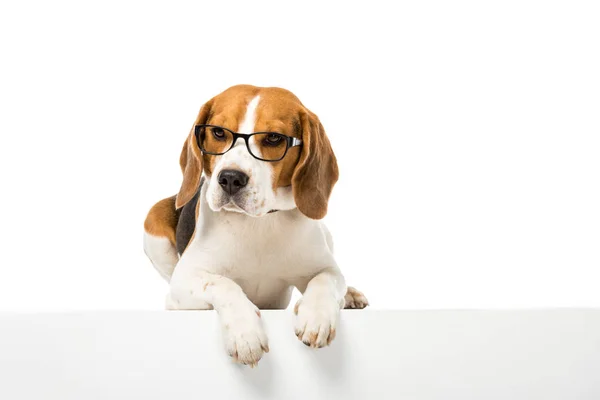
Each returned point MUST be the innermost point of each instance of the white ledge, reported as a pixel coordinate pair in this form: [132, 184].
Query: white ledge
[540, 354]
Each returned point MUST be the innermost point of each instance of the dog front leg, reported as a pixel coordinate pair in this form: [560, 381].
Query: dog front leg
[245, 337]
[318, 310]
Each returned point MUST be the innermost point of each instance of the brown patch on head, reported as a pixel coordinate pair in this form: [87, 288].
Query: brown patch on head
[228, 110]
[279, 111]
[311, 169]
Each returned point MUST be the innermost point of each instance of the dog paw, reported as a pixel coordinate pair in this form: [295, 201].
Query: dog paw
[355, 299]
[316, 321]
[245, 338]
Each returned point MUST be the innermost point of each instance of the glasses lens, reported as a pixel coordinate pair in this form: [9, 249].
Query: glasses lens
[215, 140]
[269, 146]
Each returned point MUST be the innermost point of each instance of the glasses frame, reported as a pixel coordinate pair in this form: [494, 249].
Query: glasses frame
[289, 141]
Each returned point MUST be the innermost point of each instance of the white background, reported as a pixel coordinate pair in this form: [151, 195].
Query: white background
[467, 134]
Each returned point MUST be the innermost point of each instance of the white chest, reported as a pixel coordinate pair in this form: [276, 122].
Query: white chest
[279, 246]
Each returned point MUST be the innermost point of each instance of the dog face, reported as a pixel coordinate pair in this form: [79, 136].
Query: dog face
[239, 182]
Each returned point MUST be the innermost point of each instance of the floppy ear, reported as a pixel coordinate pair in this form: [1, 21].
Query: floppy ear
[190, 161]
[316, 171]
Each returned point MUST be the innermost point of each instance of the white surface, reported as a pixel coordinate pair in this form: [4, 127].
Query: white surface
[445, 355]
[484, 116]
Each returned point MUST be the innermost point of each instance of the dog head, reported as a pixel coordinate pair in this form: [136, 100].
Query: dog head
[238, 181]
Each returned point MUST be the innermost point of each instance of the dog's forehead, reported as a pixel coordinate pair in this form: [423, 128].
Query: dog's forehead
[277, 109]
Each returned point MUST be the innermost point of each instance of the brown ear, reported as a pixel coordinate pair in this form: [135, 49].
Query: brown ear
[317, 169]
[190, 161]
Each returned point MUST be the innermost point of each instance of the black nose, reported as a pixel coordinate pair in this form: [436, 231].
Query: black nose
[232, 181]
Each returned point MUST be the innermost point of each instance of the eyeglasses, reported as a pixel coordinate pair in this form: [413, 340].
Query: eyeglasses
[266, 146]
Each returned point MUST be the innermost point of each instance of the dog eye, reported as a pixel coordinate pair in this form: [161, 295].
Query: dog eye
[218, 133]
[273, 139]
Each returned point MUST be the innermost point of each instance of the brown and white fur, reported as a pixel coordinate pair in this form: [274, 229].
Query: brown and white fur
[232, 253]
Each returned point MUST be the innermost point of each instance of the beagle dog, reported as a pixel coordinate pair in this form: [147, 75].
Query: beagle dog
[245, 227]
